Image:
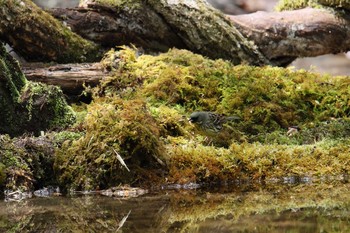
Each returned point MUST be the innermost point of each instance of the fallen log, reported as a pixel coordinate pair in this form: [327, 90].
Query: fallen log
[70, 77]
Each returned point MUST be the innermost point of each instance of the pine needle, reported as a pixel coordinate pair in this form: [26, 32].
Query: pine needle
[121, 159]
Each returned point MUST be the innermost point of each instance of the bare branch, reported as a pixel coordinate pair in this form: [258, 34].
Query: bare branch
[300, 33]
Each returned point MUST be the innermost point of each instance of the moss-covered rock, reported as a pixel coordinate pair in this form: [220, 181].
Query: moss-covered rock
[27, 106]
[136, 128]
[44, 107]
[23, 163]
[27, 162]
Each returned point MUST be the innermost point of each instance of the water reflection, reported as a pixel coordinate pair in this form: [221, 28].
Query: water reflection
[242, 208]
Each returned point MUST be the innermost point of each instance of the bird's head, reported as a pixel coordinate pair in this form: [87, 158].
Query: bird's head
[197, 117]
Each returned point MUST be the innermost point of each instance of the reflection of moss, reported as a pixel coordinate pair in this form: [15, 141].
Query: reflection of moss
[244, 211]
[243, 207]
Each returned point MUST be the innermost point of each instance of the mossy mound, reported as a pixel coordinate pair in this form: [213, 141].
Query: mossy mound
[266, 98]
[25, 162]
[112, 127]
[141, 112]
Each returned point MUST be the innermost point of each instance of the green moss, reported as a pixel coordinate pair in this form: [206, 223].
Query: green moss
[298, 4]
[2, 174]
[45, 108]
[80, 111]
[11, 72]
[266, 98]
[15, 169]
[132, 4]
[197, 163]
[11, 82]
[62, 137]
[27, 163]
[28, 106]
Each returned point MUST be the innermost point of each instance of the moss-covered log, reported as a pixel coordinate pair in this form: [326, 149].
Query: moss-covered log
[116, 23]
[37, 36]
[27, 106]
[259, 38]
[256, 39]
[207, 31]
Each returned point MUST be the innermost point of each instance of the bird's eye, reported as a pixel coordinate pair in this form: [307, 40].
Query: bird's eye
[194, 118]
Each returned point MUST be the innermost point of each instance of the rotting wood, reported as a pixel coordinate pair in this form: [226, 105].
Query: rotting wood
[70, 77]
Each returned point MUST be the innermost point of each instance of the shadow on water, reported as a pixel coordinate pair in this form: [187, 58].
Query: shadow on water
[243, 207]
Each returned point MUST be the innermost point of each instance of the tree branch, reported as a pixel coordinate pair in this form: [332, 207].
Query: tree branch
[300, 33]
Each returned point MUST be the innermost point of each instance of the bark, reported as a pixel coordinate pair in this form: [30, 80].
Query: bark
[37, 36]
[113, 26]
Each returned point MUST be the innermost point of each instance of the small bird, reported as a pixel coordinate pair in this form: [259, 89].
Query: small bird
[210, 122]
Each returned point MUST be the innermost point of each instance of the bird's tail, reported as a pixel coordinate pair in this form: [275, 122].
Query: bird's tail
[232, 118]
